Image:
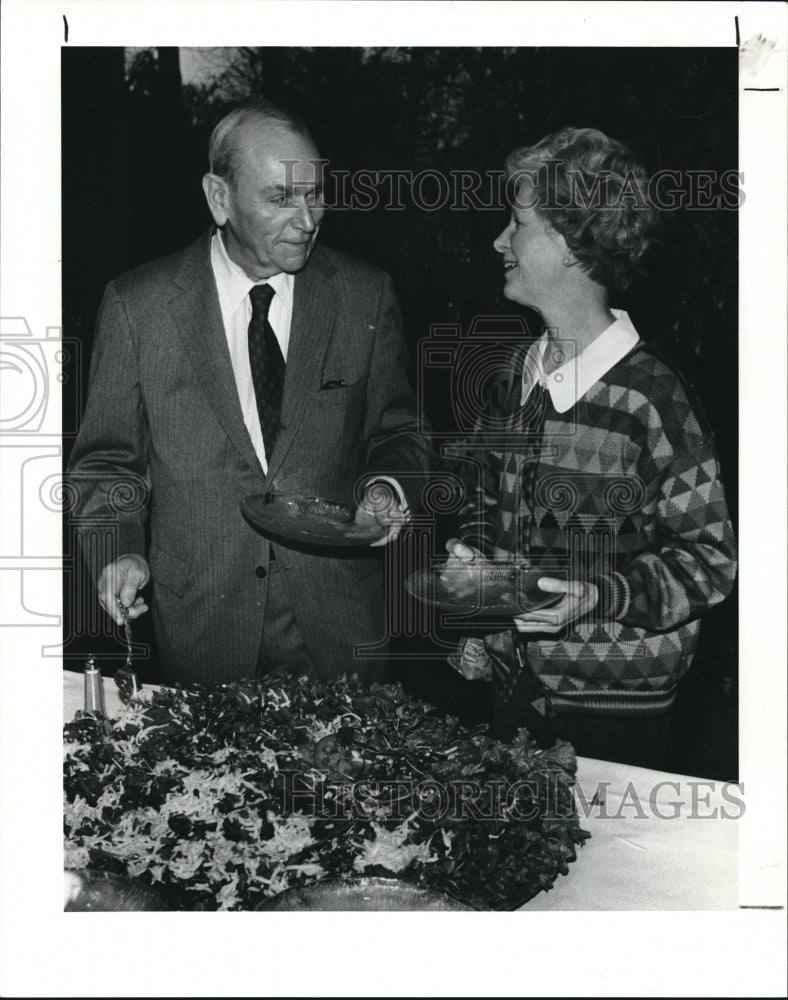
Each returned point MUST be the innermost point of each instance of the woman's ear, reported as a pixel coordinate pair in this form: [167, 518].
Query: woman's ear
[217, 196]
[569, 257]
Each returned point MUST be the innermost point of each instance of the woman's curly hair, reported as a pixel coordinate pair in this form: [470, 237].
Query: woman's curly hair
[594, 191]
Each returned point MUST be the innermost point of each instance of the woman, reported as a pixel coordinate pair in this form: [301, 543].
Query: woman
[608, 480]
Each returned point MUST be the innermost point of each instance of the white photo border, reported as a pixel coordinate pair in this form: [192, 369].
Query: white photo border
[46, 953]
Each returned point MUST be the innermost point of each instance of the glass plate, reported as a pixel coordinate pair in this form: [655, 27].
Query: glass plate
[363, 894]
[310, 520]
[90, 890]
[483, 589]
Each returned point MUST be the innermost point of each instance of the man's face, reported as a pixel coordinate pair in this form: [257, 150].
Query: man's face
[271, 213]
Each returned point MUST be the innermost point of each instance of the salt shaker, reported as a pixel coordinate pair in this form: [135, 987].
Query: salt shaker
[94, 688]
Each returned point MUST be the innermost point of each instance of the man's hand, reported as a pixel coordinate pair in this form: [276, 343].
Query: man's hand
[380, 506]
[579, 599]
[121, 580]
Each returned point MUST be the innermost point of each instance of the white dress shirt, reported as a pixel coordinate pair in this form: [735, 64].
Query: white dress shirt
[234, 285]
[570, 381]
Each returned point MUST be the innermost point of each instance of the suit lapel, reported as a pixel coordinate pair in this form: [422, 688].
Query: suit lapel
[315, 307]
[198, 318]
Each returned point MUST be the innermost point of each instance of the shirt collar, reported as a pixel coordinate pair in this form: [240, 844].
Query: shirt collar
[572, 380]
[234, 284]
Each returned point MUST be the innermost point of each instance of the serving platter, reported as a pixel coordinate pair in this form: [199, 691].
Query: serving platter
[308, 520]
[331, 738]
[366, 894]
[88, 890]
[485, 589]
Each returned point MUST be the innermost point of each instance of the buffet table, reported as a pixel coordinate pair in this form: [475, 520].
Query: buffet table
[658, 841]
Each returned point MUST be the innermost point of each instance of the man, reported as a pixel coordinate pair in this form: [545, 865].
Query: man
[189, 401]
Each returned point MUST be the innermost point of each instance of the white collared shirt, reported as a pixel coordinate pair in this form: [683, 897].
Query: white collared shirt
[571, 380]
[233, 285]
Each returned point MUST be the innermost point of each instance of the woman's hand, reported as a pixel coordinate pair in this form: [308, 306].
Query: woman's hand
[578, 600]
[461, 574]
[461, 554]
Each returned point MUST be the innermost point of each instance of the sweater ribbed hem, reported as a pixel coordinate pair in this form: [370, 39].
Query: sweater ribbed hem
[629, 703]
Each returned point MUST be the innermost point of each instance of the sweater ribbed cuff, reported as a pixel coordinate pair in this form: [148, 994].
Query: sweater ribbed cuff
[478, 541]
[613, 595]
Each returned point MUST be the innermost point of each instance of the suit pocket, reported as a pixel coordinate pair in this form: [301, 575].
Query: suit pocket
[362, 568]
[342, 395]
[168, 570]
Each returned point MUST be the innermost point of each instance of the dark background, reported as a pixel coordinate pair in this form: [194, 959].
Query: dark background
[134, 151]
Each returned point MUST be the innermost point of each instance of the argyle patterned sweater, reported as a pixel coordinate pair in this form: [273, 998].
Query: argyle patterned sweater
[622, 490]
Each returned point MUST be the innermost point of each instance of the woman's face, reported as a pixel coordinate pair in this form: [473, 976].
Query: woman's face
[533, 256]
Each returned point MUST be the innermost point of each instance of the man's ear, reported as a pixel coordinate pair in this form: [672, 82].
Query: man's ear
[217, 196]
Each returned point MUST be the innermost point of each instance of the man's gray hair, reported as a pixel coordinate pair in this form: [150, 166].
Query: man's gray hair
[223, 143]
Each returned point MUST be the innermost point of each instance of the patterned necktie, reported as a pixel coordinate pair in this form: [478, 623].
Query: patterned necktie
[267, 364]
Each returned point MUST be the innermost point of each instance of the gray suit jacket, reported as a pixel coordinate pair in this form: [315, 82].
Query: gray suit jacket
[163, 418]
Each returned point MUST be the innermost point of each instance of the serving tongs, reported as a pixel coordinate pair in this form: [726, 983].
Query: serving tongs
[126, 677]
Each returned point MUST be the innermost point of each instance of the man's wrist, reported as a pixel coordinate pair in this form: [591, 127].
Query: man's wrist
[397, 493]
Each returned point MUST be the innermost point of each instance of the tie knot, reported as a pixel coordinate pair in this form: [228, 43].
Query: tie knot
[261, 296]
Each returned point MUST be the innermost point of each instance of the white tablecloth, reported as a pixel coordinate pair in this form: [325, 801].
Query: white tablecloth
[658, 841]
[641, 858]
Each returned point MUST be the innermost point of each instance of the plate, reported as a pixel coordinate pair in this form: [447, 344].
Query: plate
[363, 894]
[310, 520]
[89, 890]
[483, 589]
